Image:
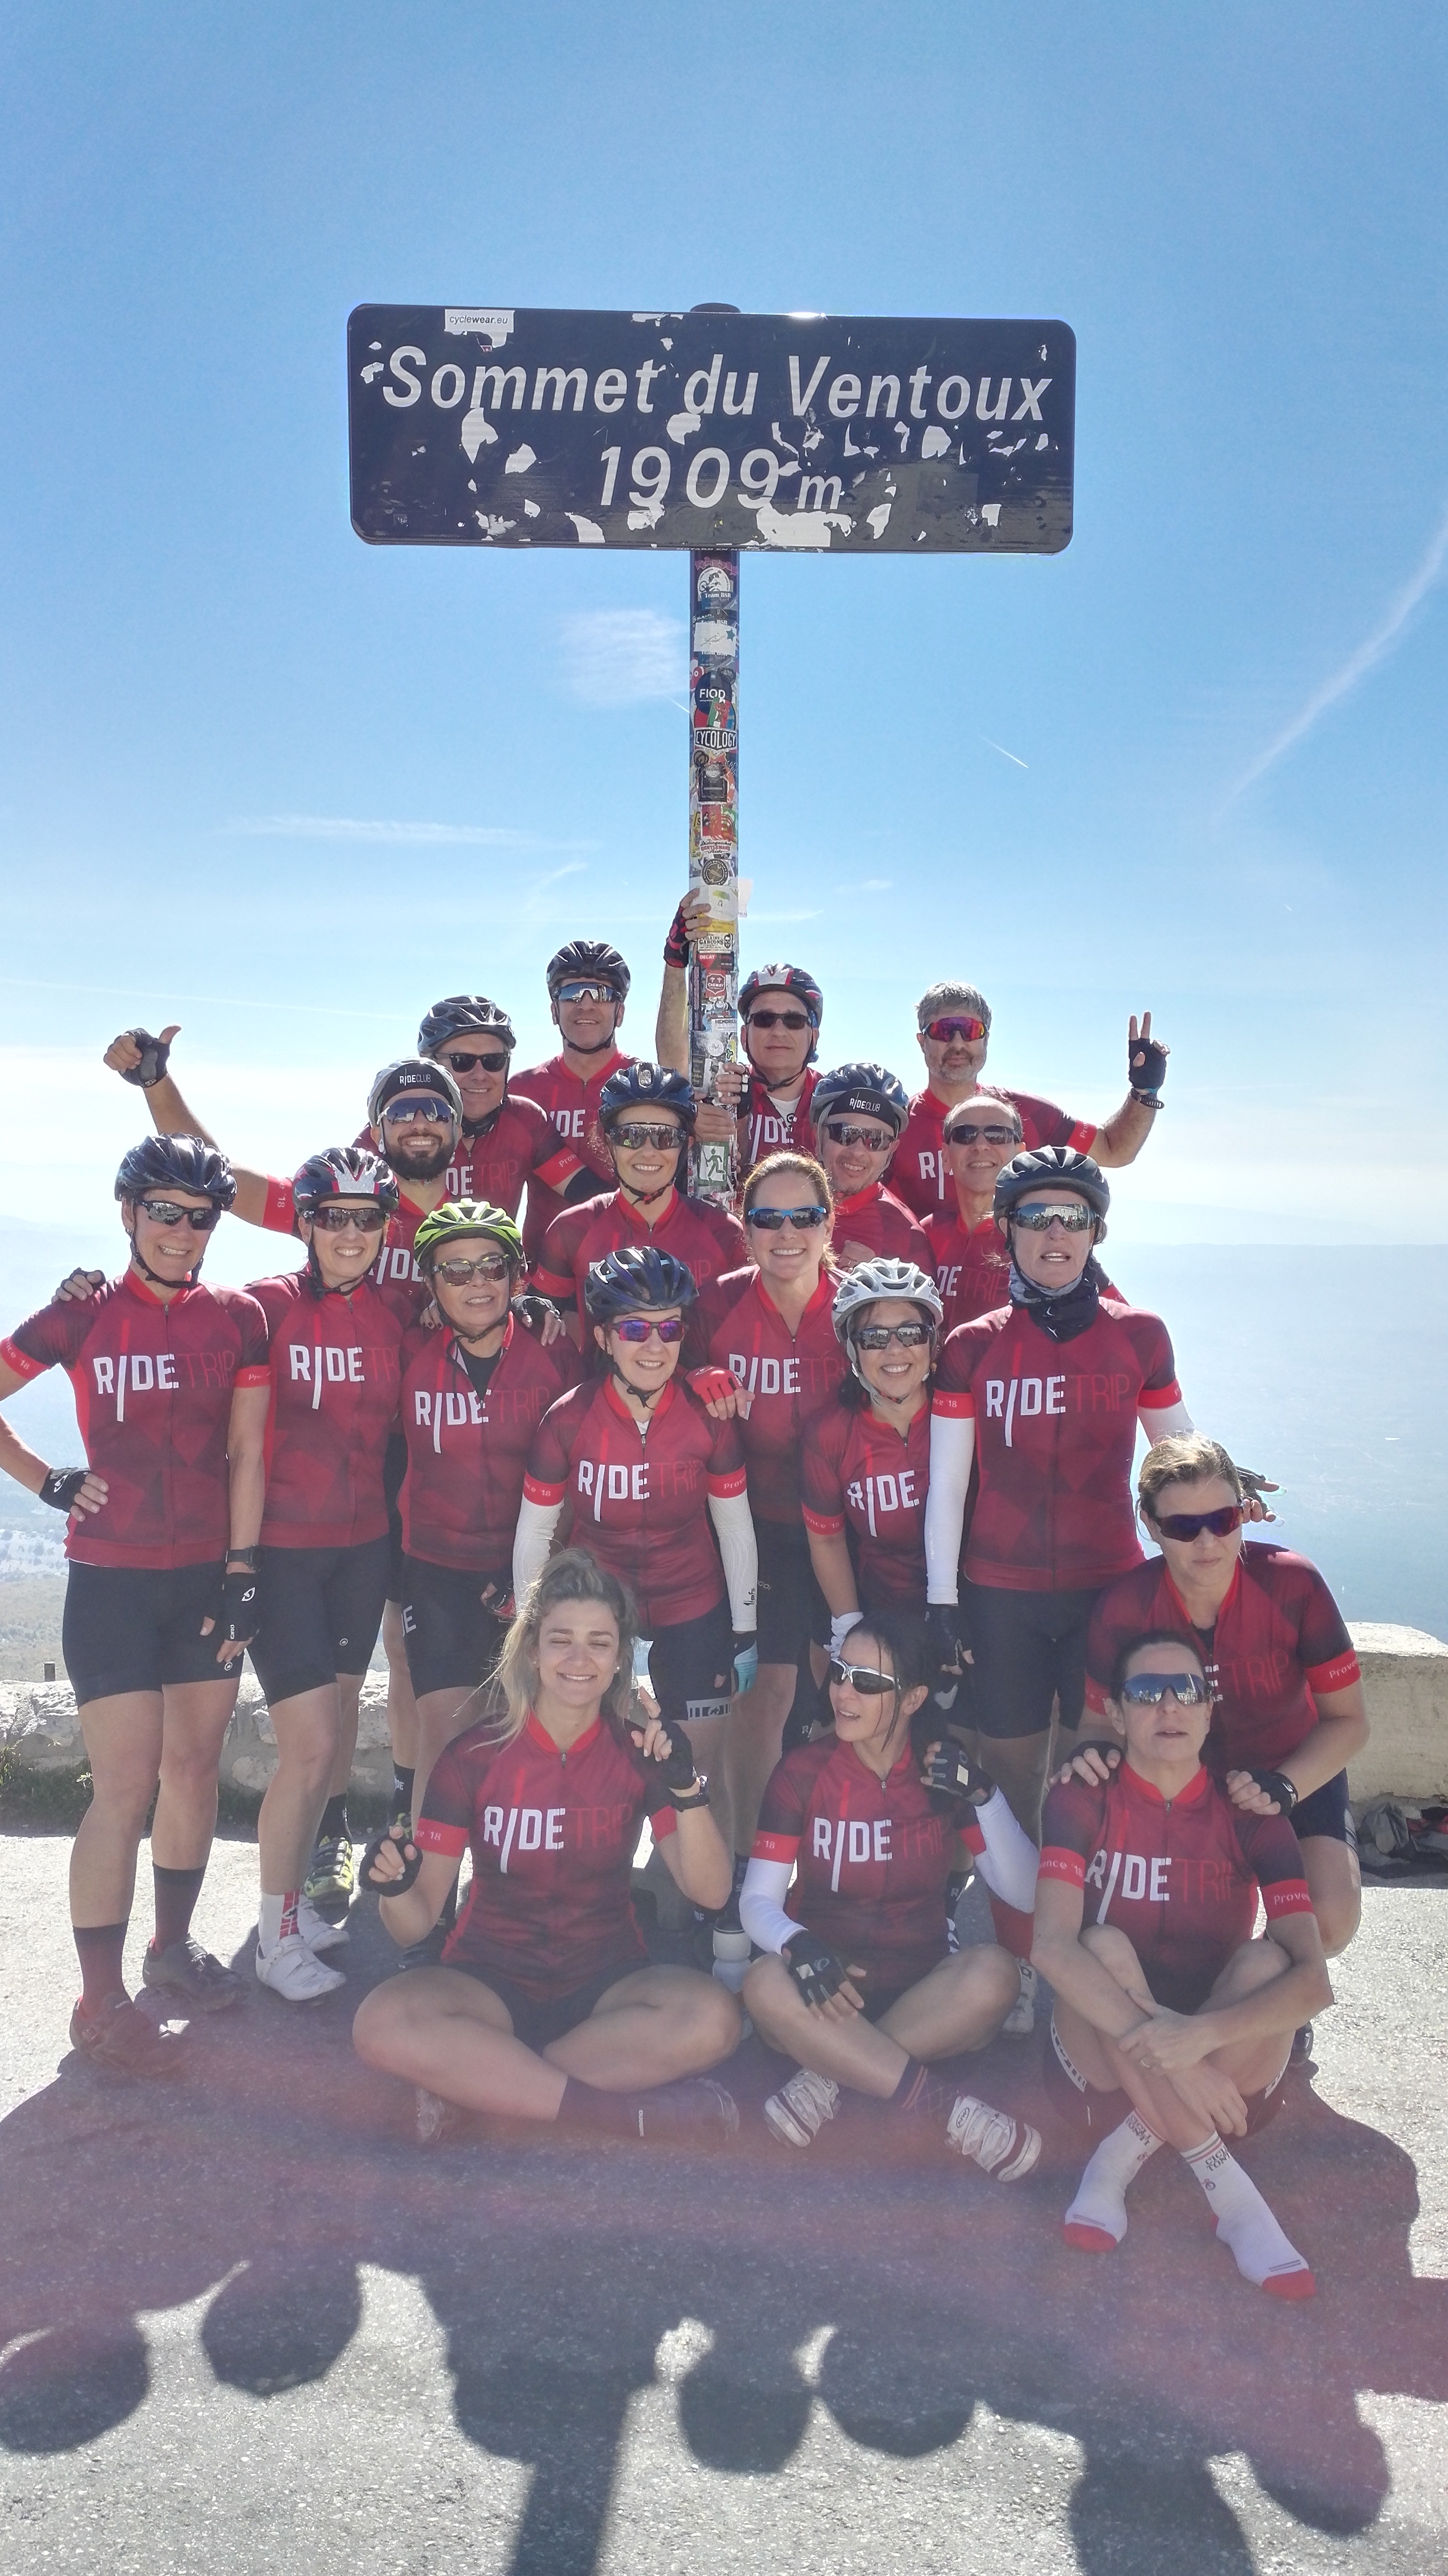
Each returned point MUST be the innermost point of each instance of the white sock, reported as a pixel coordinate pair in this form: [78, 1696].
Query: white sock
[1262, 2252]
[1096, 2219]
[278, 1919]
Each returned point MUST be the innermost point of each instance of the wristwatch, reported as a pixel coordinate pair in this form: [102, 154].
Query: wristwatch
[698, 1796]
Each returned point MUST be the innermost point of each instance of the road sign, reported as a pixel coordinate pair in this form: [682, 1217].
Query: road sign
[498, 426]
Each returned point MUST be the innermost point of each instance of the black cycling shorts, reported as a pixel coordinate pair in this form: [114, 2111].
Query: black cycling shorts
[452, 1639]
[1029, 1650]
[394, 1468]
[536, 2021]
[793, 1612]
[136, 1628]
[691, 1667]
[1326, 1811]
[1094, 2114]
[321, 1609]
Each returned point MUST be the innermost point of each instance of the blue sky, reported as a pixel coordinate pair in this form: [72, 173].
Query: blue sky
[227, 722]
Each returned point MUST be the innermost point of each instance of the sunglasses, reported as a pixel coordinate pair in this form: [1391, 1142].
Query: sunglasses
[779, 1020]
[975, 1136]
[963, 1027]
[1039, 1220]
[636, 1133]
[166, 1212]
[339, 1220]
[585, 993]
[770, 1220]
[1191, 1524]
[862, 1678]
[459, 1062]
[489, 1265]
[1148, 1690]
[841, 1134]
[637, 1328]
[878, 1337]
[418, 1104]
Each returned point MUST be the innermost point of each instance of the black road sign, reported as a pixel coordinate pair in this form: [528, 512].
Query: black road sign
[482, 426]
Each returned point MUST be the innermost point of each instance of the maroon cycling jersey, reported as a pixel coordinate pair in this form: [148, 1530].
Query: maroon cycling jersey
[788, 1376]
[466, 1452]
[335, 1381]
[494, 1161]
[641, 1500]
[887, 1231]
[1180, 1878]
[553, 1837]
[570, 1105]
[1055, 1433]
[861, 1476]
[871, 1858]
[696, 1232]
[920, 1174]
[767, 1128]
[153, 1388]
[394, 1266]
[1279, 1639]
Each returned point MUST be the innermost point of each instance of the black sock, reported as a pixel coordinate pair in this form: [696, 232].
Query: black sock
[741, 1870]
[176, 1894]
[607, 2115]
[401, 1790]
[334, 1826]
[101, 1946]
[920, 2091]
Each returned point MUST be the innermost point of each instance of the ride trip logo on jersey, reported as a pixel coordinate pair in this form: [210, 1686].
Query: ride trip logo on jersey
[872, 1494]
[864, 1842]
[1141, 1878]
[604, 1480]
[514, 1832]
[1009, 1400]
[160, 1373]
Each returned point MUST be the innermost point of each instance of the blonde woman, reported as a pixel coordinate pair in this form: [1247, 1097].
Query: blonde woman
[545, 2006]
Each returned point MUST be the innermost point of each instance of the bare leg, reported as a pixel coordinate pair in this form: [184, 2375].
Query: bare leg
[438, 1715]
[451, 2034]
[960, 2005]
[306, 1732]
[123, 1745]
[756, 1733]
[194, 1720]
[1017, 1763]
[1335, 1886]
[401, 1704]
[349, 1707]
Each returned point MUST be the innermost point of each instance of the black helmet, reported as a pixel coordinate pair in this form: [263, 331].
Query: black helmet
[782, 979]
[344, 1172]
[869, 1090]
[639, 1277]
[1052, 1167]
[464, 1014]
[588, 961]
[412, 1073]
[647, 1086]
[176, 1163]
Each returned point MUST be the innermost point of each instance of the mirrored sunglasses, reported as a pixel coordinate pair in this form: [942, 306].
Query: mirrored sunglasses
[878, 1337]
[840, 1132]
[862, 1678]
[1148, 1690]
[958, 1025]
[639, 1132]
[772, 1220]
[585, 993]
[417, 1104]
[166, 1212]
[456, 1274]
[341, 1220]
[637, 1328]
[1039, 1220]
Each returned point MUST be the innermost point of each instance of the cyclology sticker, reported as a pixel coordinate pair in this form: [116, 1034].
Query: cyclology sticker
[494, 426]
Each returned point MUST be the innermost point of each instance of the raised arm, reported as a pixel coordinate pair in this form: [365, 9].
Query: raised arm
[171, 1115]
[1124, 1134]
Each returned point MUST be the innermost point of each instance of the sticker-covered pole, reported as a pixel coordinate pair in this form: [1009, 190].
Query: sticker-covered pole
[714, 841]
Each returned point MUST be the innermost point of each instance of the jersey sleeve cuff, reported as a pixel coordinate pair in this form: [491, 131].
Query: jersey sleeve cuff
[1339, 1674]
[536, 1491]
[431, 1835]
[727, 1487]
[954, 1404]
[1083, 1136]
[21, 1361]
[552, 1283]
[765, 1846]
[1067, 1866]
[279, 1215]
[1156, 1399]
[973, 1839]
[258, 1375]
[1288, 1896]
[1095, 1696]
[824, 1524]
[559, 1169]
[663, 1823]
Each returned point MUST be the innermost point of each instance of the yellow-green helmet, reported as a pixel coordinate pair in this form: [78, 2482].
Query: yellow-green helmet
[455, 1219]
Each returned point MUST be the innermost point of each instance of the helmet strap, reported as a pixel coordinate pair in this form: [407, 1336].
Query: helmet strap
[647, 1400]
[485, 1126]
[648, 1198]
[154, 1276]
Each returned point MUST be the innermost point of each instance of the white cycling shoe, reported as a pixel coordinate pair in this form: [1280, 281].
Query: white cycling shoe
[294, 1971]
[318, 1934]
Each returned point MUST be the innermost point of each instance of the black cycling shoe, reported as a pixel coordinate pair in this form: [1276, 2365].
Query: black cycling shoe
[1301, 2046]
[190, 1973]
[696, 2113]
[122, 2040]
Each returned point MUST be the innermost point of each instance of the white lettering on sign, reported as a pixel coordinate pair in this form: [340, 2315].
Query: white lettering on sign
[401, 364]
[490, 322]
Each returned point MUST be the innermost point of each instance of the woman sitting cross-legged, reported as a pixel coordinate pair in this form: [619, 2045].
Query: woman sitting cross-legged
[859, 1987]
[545, 2006]
[1171, 2024]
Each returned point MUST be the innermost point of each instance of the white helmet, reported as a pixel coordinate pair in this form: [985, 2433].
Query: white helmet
[882, 1278]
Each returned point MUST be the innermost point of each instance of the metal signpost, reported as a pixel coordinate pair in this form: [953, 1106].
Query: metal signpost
[715, 432]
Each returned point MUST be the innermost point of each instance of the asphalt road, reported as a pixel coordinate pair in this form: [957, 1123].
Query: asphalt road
[245, 2324]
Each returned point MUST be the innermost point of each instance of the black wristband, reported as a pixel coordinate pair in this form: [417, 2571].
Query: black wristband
[681, 1800]
[61, 1486]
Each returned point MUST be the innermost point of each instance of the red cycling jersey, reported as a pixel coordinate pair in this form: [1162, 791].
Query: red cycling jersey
[553, 1838]
[641, 1500]
[153, 1387]
[1279, 1638]
[394, 1266]
[861, 1476]
[871, 1858]
[886, 1230]
[766, 1128]
[466, 1452]
[335, 1380]
[1179, 1877]
[920, 1174]
[570, 1105]
[1055, 1433]
[695, 1231]
[788, 1376]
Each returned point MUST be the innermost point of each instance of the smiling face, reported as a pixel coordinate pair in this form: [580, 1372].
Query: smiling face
[1168, 1737]
[577, 1654]
[645, 1366]
[646, 1170]
[790, 1258]
[857, 1165]
[479, 1305]
[170, 1250]
[415, 1148]
[1054, 1260]
[894, 1374]
[589, 1025]
[482, 1092]
[344, 1254]
[982, 1144]
[876, 1723]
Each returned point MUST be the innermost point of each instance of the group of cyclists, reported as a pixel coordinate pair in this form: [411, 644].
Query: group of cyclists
[799, 1531]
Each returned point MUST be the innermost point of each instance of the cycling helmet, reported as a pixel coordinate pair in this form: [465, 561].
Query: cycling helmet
[588, 961]
[344, 1172]
[1052, 1167]
[464, 1015]
[782, 979]
[176, 1163]
[455, 1220]
[869, 1090]
[629, 1282]
[647, 1086]
[860, 1289]
[412, 1073]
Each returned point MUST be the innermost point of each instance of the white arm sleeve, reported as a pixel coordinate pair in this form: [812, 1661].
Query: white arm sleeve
[1008, 1862]
[532, 1539]
[761, 1905]
[734, 1528]
[952, 1449]
[1163, 1421]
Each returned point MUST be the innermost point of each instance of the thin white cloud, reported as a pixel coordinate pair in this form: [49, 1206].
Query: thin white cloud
[1369, 653]
[617, 657]
[344, 827]
[1005, 755]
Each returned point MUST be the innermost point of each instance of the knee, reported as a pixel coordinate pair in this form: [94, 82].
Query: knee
[374, 2027]
[1338, 1917]
[122, 1801]
[997, 1973]
[768, 1995]
[718, 2025]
